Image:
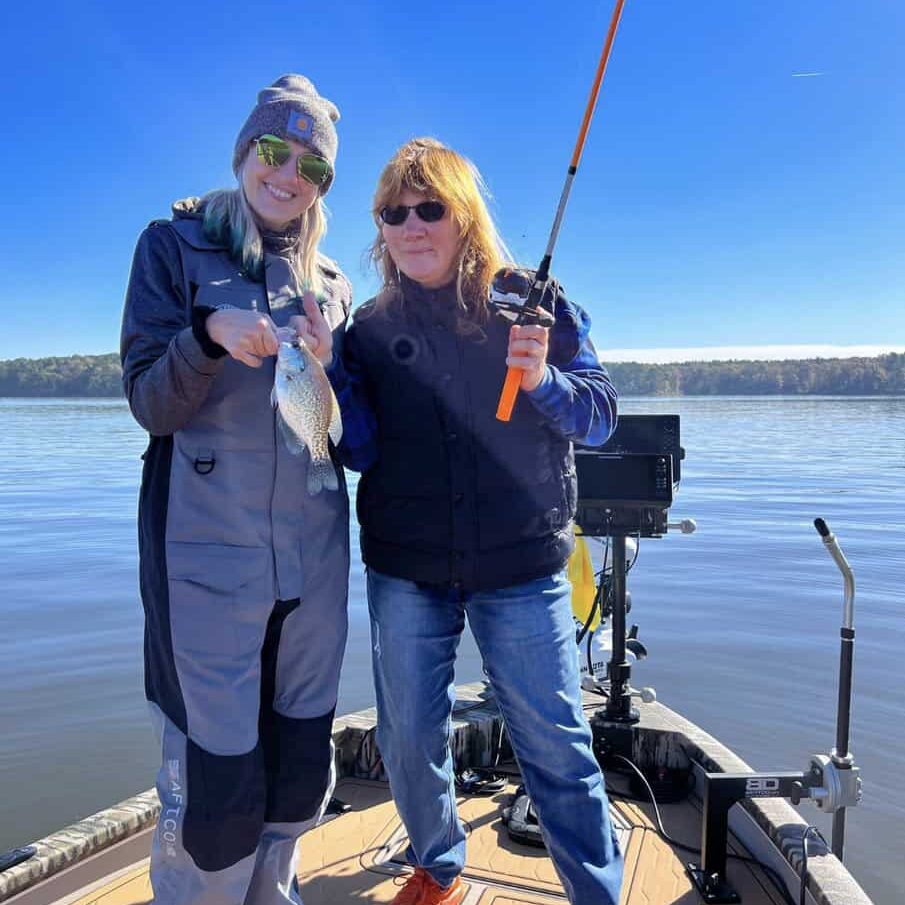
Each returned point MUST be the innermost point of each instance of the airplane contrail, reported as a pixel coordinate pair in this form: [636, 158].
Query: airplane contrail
[805, 75]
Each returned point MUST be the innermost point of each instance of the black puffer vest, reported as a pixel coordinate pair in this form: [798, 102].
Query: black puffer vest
[456, 497]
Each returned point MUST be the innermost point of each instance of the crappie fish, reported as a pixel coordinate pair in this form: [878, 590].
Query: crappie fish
[307, 411]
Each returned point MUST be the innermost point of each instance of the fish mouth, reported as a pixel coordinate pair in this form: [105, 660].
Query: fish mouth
[288, 337]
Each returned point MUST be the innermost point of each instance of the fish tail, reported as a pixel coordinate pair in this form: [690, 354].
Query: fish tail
[321, 475]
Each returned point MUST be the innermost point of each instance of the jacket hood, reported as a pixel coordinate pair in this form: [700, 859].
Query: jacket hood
[188, 209]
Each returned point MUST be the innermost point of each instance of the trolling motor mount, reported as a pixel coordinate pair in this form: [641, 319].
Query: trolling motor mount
[828, 786]
[832, 781]
[839, 784]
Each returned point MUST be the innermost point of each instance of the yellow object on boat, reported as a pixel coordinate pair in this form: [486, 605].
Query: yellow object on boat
[581, 574]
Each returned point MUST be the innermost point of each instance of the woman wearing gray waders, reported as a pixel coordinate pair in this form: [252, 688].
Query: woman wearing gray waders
[463, 515]
[244, 575]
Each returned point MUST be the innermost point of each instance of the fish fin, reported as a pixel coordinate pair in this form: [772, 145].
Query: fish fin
[335, 430]
[321, 476]
[293, 443]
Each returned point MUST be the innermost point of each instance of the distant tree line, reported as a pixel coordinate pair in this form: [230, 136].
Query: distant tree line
[75, 375]
[882, 375]
[99, 375]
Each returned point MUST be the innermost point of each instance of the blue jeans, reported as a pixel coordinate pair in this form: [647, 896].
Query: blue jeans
[527, 641]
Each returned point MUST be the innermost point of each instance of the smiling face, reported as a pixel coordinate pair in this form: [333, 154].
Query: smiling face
[277, 195]
[427, 253]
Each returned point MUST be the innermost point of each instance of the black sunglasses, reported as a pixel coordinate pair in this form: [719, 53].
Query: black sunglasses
[427, 211]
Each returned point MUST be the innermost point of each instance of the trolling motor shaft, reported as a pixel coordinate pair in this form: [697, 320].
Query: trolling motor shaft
[840, 755]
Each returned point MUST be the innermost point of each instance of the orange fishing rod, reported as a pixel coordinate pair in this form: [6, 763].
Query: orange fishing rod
[531, 303]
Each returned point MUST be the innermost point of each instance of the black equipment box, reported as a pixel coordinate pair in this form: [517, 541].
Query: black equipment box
[623, 494]
[626, 486]
[636, 480]
[639, 434]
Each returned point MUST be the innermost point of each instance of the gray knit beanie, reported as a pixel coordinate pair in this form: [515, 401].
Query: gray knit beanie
[292, 109]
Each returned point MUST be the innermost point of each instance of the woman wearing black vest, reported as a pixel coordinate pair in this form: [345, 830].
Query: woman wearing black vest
[463, 515]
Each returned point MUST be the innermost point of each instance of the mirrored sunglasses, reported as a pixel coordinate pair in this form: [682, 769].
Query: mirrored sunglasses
[427, 211]
[274, 152]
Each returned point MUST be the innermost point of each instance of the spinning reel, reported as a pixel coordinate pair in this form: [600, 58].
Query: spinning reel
[517, 298]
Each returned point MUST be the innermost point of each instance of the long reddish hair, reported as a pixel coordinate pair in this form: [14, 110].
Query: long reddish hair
[428, 167]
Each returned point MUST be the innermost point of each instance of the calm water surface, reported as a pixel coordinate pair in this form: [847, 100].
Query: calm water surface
[741, 618]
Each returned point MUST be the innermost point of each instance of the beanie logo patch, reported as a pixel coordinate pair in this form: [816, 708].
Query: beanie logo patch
[300, 125]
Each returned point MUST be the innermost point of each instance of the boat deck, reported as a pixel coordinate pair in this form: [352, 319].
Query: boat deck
[357, 857]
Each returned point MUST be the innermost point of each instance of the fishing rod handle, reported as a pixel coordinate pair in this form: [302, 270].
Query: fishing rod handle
[509, 394]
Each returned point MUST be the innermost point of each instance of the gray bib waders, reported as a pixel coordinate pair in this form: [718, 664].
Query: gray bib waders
[246, 616]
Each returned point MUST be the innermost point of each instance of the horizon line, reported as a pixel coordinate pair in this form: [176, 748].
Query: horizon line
[769, 352]
[674, 354]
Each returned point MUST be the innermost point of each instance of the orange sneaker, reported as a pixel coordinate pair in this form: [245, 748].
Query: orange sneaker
[422, 889]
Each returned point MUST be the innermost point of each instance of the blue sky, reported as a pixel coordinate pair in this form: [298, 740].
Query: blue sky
[724, 200]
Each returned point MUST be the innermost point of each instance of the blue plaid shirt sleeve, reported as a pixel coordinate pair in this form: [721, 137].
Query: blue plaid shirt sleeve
[358, 448]
[576, 395]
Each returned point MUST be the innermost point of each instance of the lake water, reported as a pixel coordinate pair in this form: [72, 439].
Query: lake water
[741, 619]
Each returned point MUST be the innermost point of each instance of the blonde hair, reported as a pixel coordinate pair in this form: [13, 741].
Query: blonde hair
[427, 166]
[230, 221]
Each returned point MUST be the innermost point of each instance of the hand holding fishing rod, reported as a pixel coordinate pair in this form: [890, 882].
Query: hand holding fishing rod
[527, 354]
[529, 307]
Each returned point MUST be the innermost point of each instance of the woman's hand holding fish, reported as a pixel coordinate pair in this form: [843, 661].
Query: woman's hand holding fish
[528, 351]
[247, 336]
[313, 328]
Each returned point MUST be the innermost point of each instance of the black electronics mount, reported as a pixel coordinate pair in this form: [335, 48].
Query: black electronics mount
[625, 489]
